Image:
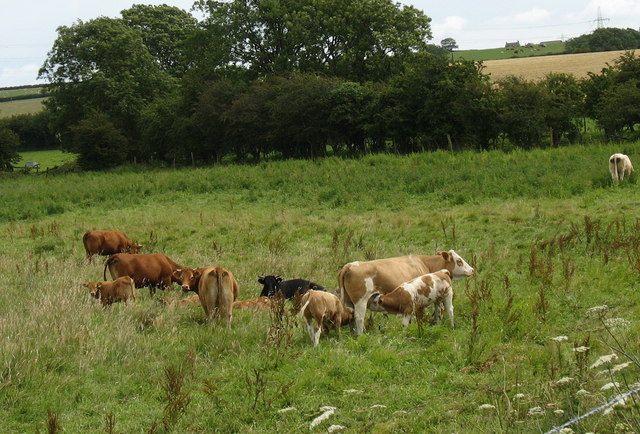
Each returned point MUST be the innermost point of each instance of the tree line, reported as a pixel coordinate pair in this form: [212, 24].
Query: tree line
[257, 79]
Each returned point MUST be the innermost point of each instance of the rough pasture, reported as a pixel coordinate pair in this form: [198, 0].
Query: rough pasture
[548, 233]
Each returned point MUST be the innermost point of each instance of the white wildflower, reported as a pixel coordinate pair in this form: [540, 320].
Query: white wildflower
[582, 392]
[328, 411]
[581, 349]
[607, 411]
[560, 338]
[487, 407]
[352, 391]
[604, 360]
[535, 411]
[566, 431]
[564, 380]
[610, 386]
[286, 410]
[620, 367]
[598, 310]
[334, 428]
[617, 323]
[558, 412]
[519, 396]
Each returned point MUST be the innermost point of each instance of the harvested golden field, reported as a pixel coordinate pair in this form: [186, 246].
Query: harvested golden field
[535, 68]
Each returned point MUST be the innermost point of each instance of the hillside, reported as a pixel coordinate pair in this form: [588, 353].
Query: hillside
[535, 68]
[549, 235]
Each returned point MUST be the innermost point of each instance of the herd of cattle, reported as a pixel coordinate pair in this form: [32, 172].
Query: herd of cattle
[401, 285]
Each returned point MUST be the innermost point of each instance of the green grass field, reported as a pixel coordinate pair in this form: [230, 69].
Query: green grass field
[21, 107]
[10, 92]
[47, 159]
[548, 233]
[504, 53]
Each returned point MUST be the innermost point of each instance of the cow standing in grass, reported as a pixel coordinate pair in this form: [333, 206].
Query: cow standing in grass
[358, 281]
[619, 167]
[108, 243]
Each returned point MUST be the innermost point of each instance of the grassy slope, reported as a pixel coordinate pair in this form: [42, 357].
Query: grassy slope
[503, 53]
[20, 107]
[306, 219]
[47, 159]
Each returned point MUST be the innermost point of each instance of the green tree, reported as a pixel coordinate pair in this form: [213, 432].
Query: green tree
[355, 39]
[619, 109]
[564, 105]
[449, 44]
[166, 31]
[100, 65]
[99, 142]
[9, 144]
[604, 39]
[33, 130]
[522, 111]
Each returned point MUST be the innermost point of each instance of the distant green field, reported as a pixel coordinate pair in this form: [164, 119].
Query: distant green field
[10, 92]
[504, 53]
[20, 107]
[47, 159]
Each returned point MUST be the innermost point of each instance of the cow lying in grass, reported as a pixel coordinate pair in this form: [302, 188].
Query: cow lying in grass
[326, 310]
[416, 294]
[121, 289]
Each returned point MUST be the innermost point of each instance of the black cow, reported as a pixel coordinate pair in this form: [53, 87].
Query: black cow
[289, 288]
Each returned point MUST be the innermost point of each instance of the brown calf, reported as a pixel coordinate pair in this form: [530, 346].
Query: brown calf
[253, 303]
[326, 309]
[121, 289]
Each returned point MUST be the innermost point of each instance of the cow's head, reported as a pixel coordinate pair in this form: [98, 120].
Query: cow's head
[134, 248]
[347, 315]
[188, 278]
[270, 285]
[94, 288]
[458, 267]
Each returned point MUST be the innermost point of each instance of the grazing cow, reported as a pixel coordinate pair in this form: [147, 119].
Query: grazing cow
[216, 287]
[121, 289]
[326, 310]
[289, 288]
[619, 166]
[359, 280]
[406, 299]
[253, 303]
[149, 269]
[108, 243]
[173, 302]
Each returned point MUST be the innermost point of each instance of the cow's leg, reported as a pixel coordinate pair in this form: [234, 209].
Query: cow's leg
[359, 312]
[310, 329]
[316, 335]
[448, 304]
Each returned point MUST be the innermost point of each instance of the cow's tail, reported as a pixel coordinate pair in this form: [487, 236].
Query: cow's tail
[110, 261]
[303, 308]
[344, 296]
[616, 161]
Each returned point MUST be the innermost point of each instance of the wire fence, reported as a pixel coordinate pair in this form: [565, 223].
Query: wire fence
[604, 406]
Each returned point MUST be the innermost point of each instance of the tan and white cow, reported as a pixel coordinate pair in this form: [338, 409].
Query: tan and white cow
[216, 287]
[359, 280]
[620, 166]
[409, 297]
[326, 310]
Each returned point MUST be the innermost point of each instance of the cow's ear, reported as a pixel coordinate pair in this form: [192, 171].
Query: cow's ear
[176, 273]
[196, 274]
[261, 279]
[86, 285]
[99, 285]
[278, 279]
[446, 256]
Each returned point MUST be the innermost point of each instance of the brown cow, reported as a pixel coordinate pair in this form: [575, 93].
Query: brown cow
[108, 243]
[121, 289]
[359, 280]
[326, 309]
[148, 269]
[172, 302]
[216, 287]
[253, 303]
[406, 299]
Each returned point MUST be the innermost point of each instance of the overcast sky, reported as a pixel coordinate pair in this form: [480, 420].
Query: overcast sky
[28, 28]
